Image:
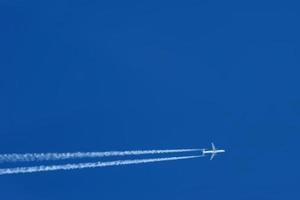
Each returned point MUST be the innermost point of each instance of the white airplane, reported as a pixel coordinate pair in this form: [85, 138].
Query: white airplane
[213, 152]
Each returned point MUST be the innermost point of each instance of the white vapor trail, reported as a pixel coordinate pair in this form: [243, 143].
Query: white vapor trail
[30, 157]
[44, 168]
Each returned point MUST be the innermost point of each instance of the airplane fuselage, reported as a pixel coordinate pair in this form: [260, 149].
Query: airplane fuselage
[213, 151]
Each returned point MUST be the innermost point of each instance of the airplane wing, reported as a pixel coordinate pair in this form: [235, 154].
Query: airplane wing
[212, 156]
[213, 146]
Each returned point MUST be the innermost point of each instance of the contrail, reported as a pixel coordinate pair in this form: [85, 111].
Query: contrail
[30, 157]
[44, 168]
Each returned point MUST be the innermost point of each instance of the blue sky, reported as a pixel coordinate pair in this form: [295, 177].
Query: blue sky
[121, 75]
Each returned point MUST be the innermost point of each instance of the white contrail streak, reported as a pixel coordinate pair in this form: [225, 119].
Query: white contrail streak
[30, 157]
[43, 168]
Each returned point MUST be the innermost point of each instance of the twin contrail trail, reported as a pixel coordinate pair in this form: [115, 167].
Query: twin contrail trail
[36, 157]
[31, 157]
[44, 168]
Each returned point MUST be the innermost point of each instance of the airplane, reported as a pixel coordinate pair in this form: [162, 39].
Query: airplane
[213, 152]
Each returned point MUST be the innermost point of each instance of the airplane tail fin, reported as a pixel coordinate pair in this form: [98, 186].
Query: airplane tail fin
[203, 152]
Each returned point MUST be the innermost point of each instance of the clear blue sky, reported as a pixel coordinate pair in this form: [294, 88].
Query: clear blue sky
[94, 76]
